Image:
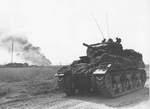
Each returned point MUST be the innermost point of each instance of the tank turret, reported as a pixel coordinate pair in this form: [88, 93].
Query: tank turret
[110, 47]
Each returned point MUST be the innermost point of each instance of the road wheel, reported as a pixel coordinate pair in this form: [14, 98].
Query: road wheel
[143, 77]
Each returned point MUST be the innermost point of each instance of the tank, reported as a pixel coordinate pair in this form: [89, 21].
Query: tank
[107, 69]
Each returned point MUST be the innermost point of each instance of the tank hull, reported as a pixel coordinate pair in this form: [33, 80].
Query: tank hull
[111, 84]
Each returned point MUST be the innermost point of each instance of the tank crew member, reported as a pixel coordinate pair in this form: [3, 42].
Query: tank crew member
[110, 40]
[118, 40]
[104, 40]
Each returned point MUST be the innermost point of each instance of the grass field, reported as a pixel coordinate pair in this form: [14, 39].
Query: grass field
[27, 73]
[27, 81]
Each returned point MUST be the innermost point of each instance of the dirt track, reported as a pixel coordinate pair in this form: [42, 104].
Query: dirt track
[60, 101]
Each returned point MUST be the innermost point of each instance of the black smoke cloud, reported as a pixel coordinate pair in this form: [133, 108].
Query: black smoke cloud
[25, 50]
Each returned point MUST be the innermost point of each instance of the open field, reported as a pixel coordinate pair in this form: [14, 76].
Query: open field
[33, 88]
[27, 73]
[18, 82]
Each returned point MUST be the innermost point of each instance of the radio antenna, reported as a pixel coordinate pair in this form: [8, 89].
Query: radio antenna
[98, 26]
[12, 50]
[107, 25]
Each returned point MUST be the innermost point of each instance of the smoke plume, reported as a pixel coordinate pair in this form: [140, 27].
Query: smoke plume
[25, 50]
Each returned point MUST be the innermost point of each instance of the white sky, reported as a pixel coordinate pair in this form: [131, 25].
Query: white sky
[60, 27]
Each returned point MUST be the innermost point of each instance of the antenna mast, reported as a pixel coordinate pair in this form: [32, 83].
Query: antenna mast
[98, 27]
[12, 50]
[107, 24]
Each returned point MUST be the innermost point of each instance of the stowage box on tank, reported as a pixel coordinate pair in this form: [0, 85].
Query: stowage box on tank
[107, 69]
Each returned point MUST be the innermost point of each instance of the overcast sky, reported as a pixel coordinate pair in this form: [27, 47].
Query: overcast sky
[60, 27]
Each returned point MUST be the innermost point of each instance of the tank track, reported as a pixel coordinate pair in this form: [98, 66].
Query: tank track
[114, 83]
[122, 82]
